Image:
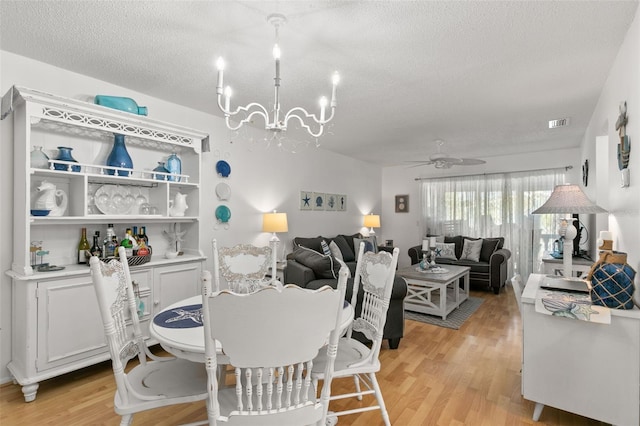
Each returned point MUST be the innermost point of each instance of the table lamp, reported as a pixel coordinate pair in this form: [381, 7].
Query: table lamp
[372, 221]
[568, 199]
[274, 222]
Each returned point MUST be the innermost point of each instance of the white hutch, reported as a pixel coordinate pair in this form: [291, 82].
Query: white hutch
[56, 326]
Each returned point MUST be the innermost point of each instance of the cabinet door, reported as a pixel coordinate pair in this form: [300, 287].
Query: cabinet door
[69, 323]
[174, 283]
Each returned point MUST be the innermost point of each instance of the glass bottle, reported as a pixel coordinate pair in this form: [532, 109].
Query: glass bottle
[83, 247]
[120, 103]
[64, 154]
[162, 169]
[127, 244]
[143, 242]
[39, 160]
[174, 165]
[119, 156]
[110, 242]
[95, 248]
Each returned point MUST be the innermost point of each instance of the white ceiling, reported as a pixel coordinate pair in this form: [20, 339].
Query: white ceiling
[484, 76]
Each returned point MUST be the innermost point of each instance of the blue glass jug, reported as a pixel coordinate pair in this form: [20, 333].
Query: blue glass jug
[174, 165]
[118, 102]
[119, 157]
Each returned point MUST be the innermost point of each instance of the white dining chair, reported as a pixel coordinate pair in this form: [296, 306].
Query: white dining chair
[375, 273]
[245, 267]
[155, 381]
[270, 337]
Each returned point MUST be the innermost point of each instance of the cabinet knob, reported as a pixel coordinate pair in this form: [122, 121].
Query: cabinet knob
[156, 302]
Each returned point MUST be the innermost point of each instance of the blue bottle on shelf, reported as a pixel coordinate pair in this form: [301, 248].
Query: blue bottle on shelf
[174, 165]
[121, 103]
[119, 157]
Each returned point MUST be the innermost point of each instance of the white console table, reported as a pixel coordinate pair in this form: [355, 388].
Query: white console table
[553, 266]
[585, 368]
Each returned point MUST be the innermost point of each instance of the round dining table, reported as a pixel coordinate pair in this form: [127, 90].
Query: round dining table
[179, 330]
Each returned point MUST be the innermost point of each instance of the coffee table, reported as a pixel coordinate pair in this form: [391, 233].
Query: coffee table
[435, 292]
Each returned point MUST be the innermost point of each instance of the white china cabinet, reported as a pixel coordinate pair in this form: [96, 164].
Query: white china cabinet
[56, 325]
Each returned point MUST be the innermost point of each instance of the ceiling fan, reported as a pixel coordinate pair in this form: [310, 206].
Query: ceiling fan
[443, 161]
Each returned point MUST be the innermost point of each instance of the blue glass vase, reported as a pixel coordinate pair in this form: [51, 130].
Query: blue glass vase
[162, 169]
[64, 154]
[174, 165]
[119, 157]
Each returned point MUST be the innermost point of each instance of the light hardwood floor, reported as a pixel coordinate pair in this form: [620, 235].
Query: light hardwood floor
[438, 376]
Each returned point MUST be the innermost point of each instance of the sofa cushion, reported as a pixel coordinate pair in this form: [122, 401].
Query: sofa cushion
[349, 241]
[369, 244]
[446, 251]
[457, 240]
[323, 266]
[335, 251]
[312, 243]
[471, 250]
[489, 245]
[347, 252]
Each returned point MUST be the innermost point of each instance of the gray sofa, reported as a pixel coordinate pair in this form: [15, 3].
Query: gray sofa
[316, 273]
[489, 272]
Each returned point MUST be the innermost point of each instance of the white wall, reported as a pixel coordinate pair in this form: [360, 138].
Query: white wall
[623, 204]
[406, 229]
[260, 180]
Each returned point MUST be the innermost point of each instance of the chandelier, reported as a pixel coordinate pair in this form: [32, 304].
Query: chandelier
[272, 117]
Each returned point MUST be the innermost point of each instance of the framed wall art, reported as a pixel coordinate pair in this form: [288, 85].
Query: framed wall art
[318, 200]
[402, 203]
[306, 200]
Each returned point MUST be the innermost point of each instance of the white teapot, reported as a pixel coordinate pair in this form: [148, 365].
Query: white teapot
[178, 205]
[48, 199]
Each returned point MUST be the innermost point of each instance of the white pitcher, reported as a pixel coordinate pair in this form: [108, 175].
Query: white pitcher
[48, 199]
[178, 205]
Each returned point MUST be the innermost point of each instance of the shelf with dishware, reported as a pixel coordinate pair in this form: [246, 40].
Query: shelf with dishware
[81, 165]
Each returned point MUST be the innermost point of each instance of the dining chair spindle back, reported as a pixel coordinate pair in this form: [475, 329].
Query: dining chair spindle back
[270, 337]
[244, 267]
[375, 273]
[155, 381]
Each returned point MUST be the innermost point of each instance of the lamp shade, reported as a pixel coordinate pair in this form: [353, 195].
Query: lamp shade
[372, 221]
[568, 198]
[274, 222]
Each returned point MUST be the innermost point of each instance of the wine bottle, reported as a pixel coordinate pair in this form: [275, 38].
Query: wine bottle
[121, 103]
[83, 247]
[95, 248]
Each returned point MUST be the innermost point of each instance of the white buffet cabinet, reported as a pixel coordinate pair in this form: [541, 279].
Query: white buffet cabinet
[56, 325]
[582, 367]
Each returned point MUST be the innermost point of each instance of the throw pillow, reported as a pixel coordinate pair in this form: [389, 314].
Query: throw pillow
[471, 250]
[323, 266]
[369, 244]
[347, 252]
[446, 251]
[489, 245]
[335, 251]
[325, 248]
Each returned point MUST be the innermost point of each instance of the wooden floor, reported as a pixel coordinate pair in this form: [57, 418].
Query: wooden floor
[438, 376]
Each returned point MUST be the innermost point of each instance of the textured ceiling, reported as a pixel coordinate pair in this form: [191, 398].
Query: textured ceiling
[483, 76]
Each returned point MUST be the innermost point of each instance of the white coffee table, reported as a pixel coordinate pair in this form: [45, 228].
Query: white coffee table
[435, 292]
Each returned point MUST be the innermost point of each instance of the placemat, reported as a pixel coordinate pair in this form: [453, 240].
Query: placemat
[182, 317]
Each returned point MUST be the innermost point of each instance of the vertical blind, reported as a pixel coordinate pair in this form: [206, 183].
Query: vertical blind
[495, 205]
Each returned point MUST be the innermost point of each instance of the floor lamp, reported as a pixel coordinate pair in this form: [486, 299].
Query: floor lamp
[568, 199]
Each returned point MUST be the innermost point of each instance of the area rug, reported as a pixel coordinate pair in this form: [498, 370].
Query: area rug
[454, 320]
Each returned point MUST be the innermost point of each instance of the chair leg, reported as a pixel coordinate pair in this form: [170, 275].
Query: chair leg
[383, 408]
[356, 382]
[126, 420]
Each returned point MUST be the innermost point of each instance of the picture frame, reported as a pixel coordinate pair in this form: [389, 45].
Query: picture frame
[331, 202]
[306, 200]
[342, 203]
[402, 203]
[318, 201]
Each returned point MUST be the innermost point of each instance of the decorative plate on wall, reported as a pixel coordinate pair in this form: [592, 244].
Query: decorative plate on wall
[223, 214]
[223, 191]
[223, 168]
